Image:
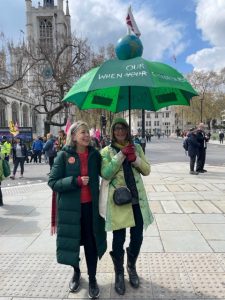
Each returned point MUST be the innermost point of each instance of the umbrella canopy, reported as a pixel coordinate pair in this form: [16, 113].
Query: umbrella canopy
[119, 85]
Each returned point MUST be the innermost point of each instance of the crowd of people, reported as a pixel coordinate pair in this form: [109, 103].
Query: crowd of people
[195, 143]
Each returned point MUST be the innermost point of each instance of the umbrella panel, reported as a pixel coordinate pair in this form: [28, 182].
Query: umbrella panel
[116, 99]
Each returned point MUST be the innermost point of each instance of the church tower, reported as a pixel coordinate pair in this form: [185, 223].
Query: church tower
[47, 25]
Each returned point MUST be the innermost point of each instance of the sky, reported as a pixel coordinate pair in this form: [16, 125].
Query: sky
[186, 34]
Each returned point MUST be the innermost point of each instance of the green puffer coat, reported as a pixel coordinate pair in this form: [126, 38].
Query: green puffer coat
[118, 217]
[62, 179]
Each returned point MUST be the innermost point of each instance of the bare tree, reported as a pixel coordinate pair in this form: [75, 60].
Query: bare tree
[54, 74]
[14, 63]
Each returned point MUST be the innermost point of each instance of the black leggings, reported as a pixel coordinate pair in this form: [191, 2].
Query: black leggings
[136, 235]
[19, 161]
[88, 239]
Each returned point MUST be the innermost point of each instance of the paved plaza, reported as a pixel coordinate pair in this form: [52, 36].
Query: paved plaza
[182, 257]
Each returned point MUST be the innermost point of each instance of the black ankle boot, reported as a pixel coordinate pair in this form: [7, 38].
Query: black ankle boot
[131, 269]
[75, 281]
[94, 291]
[119, 274]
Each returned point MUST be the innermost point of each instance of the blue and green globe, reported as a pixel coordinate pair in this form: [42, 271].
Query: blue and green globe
[128, 47]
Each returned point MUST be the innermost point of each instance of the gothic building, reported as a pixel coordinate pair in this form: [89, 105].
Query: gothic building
[46, 25]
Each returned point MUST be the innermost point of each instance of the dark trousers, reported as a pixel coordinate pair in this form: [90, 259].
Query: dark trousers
[51, 161]
[201, 159]
[88, 239]
[37, 156]
[192, 162]
[19, 161]
[136, 236]
[1, 199]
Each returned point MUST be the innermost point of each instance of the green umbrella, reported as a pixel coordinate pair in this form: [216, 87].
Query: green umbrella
[119, 85]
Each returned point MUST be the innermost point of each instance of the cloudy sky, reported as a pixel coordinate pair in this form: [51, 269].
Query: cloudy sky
[191, 30]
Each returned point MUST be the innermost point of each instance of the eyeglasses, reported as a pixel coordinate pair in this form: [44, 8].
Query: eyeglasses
[118, 128]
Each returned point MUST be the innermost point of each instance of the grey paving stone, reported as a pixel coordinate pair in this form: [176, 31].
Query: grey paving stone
[189, 207]
[207, 207]
[171, 207]
[212, 231]
[207, 218]
[174, 222]
[184, 241]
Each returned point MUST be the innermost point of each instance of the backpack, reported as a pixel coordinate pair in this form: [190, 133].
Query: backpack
[6, 168]
[185, 144]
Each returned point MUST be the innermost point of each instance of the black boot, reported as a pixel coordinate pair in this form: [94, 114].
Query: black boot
[75, 281]
[119, 274]
[94, 291]
[131, 269]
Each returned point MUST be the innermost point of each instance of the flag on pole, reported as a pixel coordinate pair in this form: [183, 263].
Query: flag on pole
[174, 58]
[12, 129]
[68, 124]
[17, 126]
[131, 24]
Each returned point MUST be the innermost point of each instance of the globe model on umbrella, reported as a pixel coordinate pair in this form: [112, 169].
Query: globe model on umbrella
[129, 47]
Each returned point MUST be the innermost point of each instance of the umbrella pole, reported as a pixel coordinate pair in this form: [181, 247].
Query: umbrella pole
[129, 106]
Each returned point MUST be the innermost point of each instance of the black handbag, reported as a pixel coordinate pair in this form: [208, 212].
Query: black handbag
[122, 195]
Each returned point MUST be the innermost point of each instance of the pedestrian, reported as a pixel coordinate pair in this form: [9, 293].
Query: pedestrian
[37, 148]
[193, 149]
[75, 177]
[202, 140]
[1, 178]
[61, 139]
[122, 165]
[221, 137]
[6, 148]
[50, 149]
[19, 151]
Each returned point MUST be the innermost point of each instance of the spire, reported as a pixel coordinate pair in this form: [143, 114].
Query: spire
[67, 8]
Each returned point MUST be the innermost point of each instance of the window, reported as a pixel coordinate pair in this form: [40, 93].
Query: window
[25, 116]
[46, 38]
[156, 115]
[2, 113]
[15, 110]
[148, 115]
[167, 115]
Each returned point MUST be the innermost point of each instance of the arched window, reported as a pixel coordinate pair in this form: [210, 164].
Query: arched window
[34, 121]
[25, 116]
[46, 38]
[2, 113]
[15, 112]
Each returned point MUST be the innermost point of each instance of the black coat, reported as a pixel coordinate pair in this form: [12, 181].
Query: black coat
[193, 145]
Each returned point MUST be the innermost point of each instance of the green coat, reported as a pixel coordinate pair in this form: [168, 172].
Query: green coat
[62, 179]
[118, 217]
[1, 169]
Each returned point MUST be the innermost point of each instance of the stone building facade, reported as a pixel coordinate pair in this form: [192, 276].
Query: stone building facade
[48, 25]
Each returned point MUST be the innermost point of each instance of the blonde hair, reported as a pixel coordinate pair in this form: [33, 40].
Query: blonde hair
[73, 128]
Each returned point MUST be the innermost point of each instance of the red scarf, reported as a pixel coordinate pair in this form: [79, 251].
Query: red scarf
[54, 214]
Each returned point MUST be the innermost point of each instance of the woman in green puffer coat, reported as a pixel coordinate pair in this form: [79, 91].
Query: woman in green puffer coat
[75, 178]
[122, 165]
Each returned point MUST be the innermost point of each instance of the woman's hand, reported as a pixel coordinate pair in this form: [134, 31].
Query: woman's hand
[128, 150]
[82, 180]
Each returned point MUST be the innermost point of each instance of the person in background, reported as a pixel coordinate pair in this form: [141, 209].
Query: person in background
[1, 178]
[123, 163]
[193, 149]
[6, 148]
[61, 139]
[19, 151]
[221, 137]
[75, 177]
[50, 149]
[202, 140]
[37, 148]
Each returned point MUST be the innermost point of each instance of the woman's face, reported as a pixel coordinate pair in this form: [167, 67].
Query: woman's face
[120, 133]
[82, 136]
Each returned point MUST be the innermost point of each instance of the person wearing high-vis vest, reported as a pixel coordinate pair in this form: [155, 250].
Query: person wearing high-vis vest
[6, 148]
